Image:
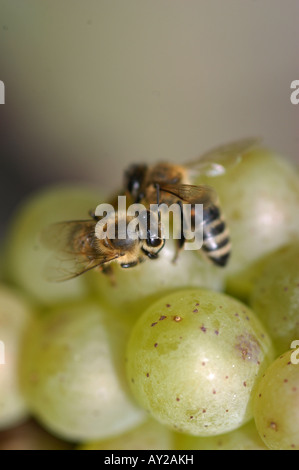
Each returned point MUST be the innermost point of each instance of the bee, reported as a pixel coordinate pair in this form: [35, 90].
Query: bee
[79, 248]
[174, 184]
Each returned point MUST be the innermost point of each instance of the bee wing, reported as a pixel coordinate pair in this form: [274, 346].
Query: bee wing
[218, 160]
[63, 268]
[191, 194]
[73, 253]
[67, 236]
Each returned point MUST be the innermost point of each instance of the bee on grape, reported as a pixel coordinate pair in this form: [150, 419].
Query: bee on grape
[78, 246]
[174, 184]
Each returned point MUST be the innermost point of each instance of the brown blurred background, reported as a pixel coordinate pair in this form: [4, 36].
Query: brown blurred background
[93, 85]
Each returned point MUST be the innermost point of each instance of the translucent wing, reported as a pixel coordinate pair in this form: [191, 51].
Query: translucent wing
[75, 250]
[191, 194]
[216, 161]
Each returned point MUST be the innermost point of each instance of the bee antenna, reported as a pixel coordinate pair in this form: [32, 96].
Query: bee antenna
[157, 186]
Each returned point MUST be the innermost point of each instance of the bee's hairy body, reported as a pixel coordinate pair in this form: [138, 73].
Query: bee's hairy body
[82, 249]
[216, 240]
[79, 249]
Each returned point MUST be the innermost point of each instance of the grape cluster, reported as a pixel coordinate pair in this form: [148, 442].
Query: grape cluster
[172, 356]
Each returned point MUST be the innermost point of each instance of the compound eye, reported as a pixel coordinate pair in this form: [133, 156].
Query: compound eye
[154, 242]
[152, 247]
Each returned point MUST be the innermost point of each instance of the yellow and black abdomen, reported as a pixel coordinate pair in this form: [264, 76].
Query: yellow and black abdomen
[216, 238]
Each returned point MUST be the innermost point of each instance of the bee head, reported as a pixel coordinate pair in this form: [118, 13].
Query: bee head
[134, 177]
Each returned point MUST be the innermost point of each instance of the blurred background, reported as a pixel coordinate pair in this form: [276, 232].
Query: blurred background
[93, 85]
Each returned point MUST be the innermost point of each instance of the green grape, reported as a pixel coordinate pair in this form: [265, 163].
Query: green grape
[241, 286]
[136, 288]
[73, 373]
[244, 438]
[26, 258]
[15, 315]
[150, 435]
[260, 200]
[275, 296]
[276, 409]
[193, 359]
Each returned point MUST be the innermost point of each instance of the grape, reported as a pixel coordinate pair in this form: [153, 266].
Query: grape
[138, 287]
[15, 315]
[193, 359]
[150, 435]
[260, 200]
[26, 257]
[276, 409]
[73, 373]
[241, 286]
[243, 438]
[275, 296]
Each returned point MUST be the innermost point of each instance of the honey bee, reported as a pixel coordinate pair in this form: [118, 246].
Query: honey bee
[78, 247]
[174, 184]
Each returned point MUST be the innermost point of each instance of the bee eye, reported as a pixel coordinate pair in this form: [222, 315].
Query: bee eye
[152, 247]
[154, 242]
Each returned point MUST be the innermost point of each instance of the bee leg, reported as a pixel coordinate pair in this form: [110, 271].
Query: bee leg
[179, 245]
[181, 241]
[108, 271]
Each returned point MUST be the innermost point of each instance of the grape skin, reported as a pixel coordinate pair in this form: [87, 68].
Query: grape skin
[15, 317]
[193, 359]
[260, 200]
[275, 296]
[150, 435]
[244, 438]
[276, 409]
[73, 362]
[26, 257]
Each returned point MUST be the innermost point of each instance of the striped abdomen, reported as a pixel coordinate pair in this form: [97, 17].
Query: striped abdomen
[216, 240]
